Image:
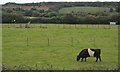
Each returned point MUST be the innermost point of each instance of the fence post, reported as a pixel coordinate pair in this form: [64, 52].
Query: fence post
[36, 67]
[8, 25]
[94, 42]
[116, 43]
[75, 26]
[48, 42]
[58, 26]
[27, 42]
[87, 26]
[20, 25]
[72, 41]
[70, 26]
[109, 27]
[63, 26]
[40, 25]
[98, 26]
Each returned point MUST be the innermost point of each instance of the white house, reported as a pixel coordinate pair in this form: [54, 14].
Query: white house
[112, 23]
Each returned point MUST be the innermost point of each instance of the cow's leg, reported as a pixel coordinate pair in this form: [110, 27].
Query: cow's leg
[99, 58]
[96, 59]
[81, 59]
[85, 59]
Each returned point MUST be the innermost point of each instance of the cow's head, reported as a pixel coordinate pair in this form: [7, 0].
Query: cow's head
[78, 58]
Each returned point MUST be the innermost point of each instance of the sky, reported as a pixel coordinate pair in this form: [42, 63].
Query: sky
[31, 1]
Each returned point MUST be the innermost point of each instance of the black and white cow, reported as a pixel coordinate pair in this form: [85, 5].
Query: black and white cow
[89, 53]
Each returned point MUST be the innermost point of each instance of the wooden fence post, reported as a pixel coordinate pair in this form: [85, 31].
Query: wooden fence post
[87, 26]
[27, 42]
[48, 42]
[70, 26]
[75, 26]
[94, 42]
[8, 25]
[63, 26]
[72, 41]
[57, 26]
[36, 66]
[20, 25]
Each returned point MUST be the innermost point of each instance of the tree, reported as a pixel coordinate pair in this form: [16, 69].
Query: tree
[28, 13]
[118, 7]
[69, 18]
[102, 20]
[111, 10]
[115, 17]
[10, 18]
[52, 14]
[41, 11]
[90, 19]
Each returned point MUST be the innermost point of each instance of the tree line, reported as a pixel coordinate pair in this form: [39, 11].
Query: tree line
[65, 18]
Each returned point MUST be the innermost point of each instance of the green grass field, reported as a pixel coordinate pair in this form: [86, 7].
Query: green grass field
[84, 9]
[55, 46]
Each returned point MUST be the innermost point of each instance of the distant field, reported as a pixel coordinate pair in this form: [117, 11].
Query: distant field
[55, 46]
[84, 9]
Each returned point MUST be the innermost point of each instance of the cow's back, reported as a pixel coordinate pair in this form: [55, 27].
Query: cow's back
[84, 53]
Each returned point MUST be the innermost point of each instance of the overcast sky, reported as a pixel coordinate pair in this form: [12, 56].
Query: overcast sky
[30, 1]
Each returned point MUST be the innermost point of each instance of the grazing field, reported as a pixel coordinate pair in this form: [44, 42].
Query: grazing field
[55, 46]
[84, 9]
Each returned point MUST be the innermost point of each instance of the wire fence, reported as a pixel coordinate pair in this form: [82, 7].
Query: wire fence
[60, 26]
[27, 40]
[54, 41]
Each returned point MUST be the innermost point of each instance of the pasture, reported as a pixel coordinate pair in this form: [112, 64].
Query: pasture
[84, 9]
[55, 46]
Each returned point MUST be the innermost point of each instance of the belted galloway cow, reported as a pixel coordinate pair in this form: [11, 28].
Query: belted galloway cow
[89, 53]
